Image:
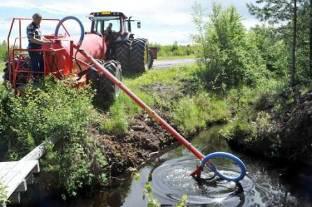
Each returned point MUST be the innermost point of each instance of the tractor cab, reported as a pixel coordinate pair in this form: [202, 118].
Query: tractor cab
[134, 54]
[115, 26]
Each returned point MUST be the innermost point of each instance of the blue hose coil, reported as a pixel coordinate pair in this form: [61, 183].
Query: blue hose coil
[229, 156]
[82, 30]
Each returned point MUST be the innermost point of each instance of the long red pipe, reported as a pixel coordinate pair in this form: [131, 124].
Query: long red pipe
[102, 71]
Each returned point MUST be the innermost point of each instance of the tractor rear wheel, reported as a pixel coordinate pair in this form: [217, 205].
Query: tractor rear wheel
[105, 90]
[139, 56]
[122, 54]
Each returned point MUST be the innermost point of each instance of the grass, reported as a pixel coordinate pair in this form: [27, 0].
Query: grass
[123, 109]
[2, 65]
[176, 57]
[195, 112]
[3, 194]
[166, 76]
[116, 122]
[189, 108]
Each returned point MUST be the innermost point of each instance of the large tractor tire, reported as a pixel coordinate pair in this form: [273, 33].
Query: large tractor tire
[105, 90]
[139, 56]
[122, 53]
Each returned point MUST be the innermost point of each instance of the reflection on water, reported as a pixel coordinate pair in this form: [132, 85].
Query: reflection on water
[172, 180]
[263, 186]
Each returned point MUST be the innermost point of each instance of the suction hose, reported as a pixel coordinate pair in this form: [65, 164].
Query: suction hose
[228, 156]
[82, 31]
[205, 161]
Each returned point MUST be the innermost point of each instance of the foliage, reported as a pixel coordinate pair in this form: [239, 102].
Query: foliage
[182, 202]
[228, 59]
[255, 124]
[271, 47]
[3, 55]
[3, 51]
[55, 111]
[116, 122]
[151, 201]
[196, 112]
[294, 23]
[3, 195]
[279, 10]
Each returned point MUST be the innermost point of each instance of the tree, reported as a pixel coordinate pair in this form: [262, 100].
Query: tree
[294, 46]
[227, 58]
[271, 47]
[280, 11]
[310, 38]
[272, 11]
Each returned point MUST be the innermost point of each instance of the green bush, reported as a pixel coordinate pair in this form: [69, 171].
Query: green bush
[228, 59]
[239, 130]
[55, 111]
[193, 113]
[272, 48]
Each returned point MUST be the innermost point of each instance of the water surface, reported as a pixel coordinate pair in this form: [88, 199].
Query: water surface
[264, 185]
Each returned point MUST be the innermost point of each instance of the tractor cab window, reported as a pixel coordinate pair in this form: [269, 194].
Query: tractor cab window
[107, 24]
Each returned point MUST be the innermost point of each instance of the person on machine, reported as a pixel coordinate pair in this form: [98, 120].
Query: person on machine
[35, 41]
[109, 28]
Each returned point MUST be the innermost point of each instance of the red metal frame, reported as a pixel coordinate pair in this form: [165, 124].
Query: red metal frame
[17, 56]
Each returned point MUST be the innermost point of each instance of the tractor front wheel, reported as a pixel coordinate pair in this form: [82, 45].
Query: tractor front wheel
[105, 90]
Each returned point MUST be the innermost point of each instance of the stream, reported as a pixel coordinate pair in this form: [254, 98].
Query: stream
[265, 183]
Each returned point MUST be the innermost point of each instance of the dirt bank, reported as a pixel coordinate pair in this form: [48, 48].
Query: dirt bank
[144, 141]
[287, 135]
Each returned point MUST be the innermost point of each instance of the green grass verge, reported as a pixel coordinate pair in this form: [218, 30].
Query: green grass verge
[175, 57]
[190, 108]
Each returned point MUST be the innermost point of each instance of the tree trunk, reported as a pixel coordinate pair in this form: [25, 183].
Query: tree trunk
[310, 36]
[294, 46]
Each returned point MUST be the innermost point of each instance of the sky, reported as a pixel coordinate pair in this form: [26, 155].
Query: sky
[163, 21]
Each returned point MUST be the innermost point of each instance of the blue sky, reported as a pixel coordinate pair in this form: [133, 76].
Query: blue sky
[163, 21]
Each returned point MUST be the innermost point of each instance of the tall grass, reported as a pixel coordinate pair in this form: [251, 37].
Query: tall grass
[196, 112]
